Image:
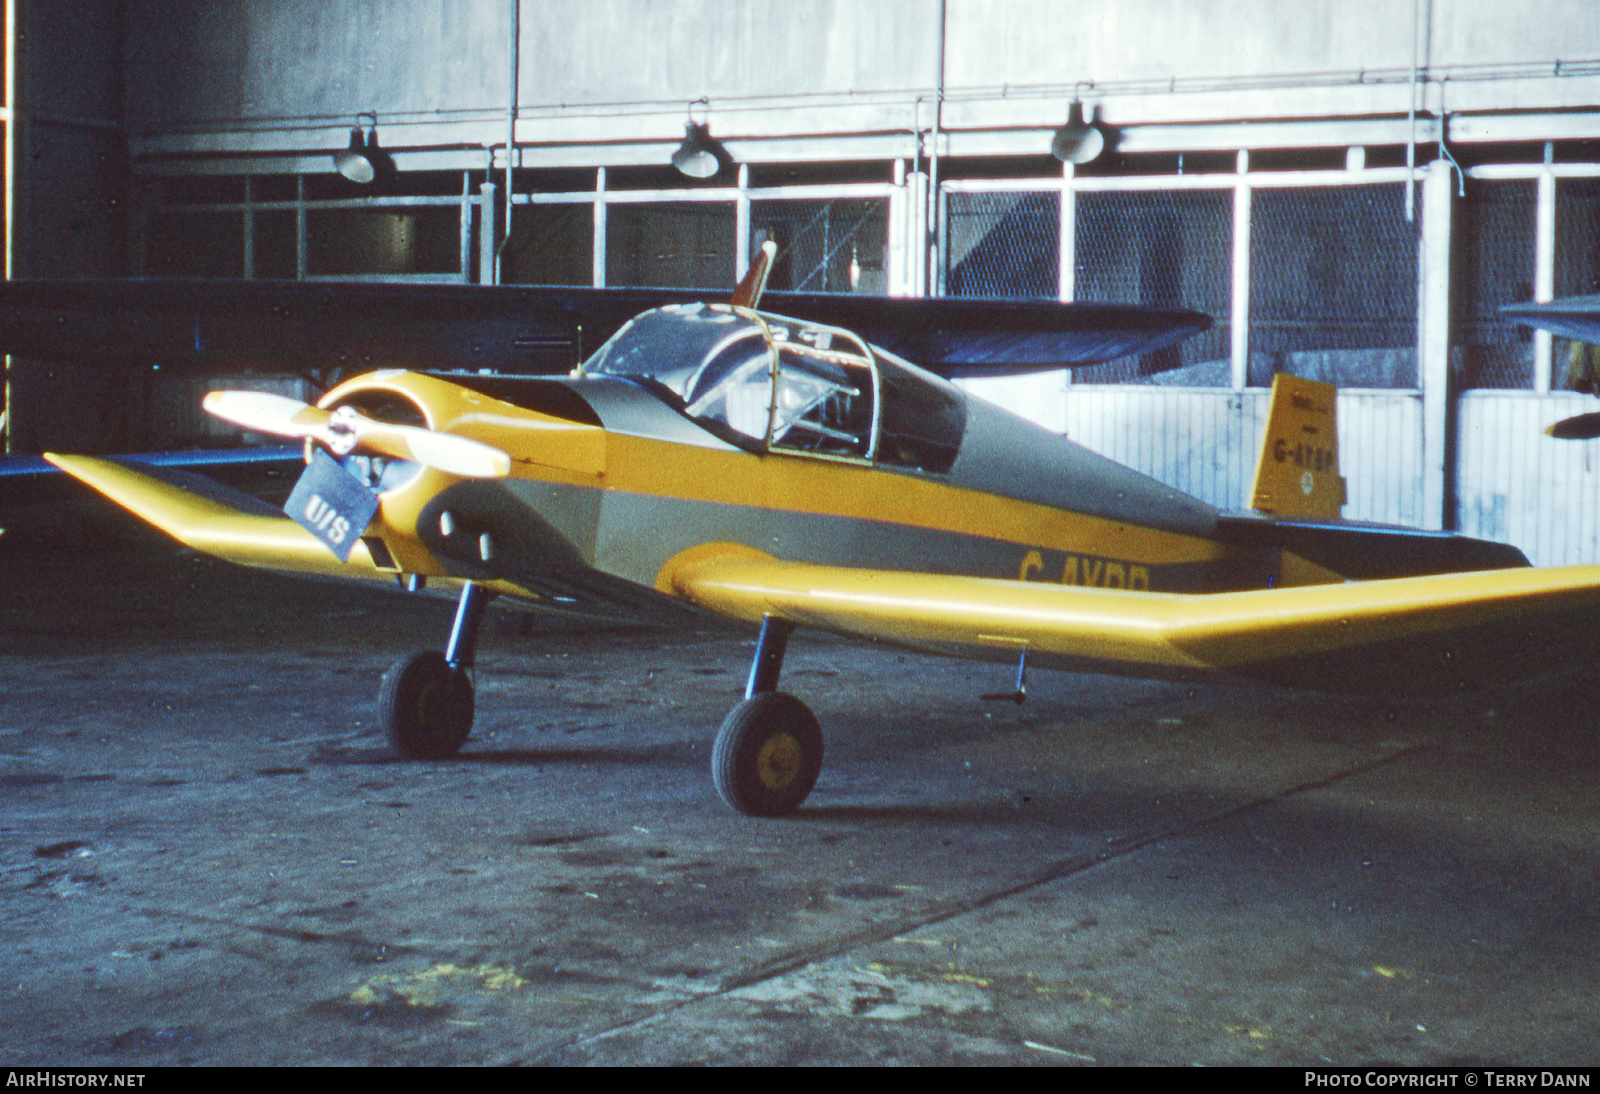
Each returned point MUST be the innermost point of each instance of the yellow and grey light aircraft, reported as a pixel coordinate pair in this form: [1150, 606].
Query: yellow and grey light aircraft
[717, 460]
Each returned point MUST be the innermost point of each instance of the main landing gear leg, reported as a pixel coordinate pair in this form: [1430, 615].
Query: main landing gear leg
[425, 702]
[769, 750]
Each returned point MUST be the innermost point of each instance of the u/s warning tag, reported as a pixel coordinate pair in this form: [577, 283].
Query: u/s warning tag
[331, 504]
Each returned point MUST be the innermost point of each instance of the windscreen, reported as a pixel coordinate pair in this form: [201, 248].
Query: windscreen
[796, 386]
[713, 362]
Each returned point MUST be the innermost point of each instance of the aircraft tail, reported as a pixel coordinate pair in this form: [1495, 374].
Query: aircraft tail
[1297, 473]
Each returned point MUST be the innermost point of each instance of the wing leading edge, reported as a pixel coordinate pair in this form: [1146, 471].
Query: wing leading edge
[209, 517]
[1575, 317]
[1422, 633]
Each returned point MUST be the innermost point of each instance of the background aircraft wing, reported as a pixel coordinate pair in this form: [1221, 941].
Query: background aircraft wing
[1444, 632]
[224, 326]
[1575, 317]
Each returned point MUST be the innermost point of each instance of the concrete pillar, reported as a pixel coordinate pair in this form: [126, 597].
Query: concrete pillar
[249, 226]
[917, 234]
[599, 228]
[1067, 272]
[1239, 311]
[741, 226]
[1433, 343]
[465, 240]
[488, 237]
[894, 262]
[1544, 266]
[300, 227]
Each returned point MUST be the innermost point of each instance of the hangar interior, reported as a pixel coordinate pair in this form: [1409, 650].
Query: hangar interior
[1351, 193]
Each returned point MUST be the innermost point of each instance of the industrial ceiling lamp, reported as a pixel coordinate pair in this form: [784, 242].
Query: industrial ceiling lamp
[363, 160]
[699, 156]
[1080, 140]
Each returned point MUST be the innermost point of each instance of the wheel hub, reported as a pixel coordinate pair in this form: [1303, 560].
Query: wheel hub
[778, 761]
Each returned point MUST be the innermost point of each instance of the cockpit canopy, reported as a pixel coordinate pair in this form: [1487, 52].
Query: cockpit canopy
[788, 385]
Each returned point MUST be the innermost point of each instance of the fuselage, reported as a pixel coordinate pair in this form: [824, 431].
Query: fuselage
[876, 465]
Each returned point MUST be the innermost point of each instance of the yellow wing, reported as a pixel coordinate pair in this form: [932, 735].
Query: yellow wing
[249, 536]
[1451, 630]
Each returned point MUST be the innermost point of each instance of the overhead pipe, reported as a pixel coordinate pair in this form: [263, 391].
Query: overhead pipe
[930, 247]
[513, 44]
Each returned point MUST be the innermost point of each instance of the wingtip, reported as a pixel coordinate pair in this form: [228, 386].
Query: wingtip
[71, 464]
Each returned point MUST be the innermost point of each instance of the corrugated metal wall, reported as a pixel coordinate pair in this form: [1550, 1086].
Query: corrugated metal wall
[1519, 486]
[1380, 455]
[1201, 441]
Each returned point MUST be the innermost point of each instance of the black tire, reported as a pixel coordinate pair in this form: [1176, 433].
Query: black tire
[767, 755]
[425, 707]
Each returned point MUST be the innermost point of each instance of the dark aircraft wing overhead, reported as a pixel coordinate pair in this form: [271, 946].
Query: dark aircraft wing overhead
[977, 336]
[1575, 317]
[302, 326]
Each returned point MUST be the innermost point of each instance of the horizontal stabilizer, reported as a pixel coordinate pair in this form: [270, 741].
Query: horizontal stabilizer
[1369, 552]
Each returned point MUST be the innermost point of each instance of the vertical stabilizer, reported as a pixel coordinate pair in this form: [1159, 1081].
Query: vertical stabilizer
[1297, 474]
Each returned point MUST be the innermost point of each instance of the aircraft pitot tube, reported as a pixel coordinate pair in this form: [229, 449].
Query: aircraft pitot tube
[344, 430]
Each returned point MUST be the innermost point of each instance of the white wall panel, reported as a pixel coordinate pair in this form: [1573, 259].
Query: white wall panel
[1030, 41]
[241, 76]
[1202, 441]
[1516, 485]
[1380, 455]
[202, 61]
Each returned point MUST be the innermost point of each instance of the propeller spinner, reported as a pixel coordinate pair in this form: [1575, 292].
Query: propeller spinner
[344, 430]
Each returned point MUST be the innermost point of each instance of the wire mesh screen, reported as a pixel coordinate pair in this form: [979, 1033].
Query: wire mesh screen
[1164, 249]
[1493, 260]
[824, 246]
[1575, 366]
[1333, 286]
[1003, 244]
[672, 245]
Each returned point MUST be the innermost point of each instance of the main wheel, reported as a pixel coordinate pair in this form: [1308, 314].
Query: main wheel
[767, 755]
[425, 706]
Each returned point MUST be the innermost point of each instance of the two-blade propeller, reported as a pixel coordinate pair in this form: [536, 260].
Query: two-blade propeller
[345, 430]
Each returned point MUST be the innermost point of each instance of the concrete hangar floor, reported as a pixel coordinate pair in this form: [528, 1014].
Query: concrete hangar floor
[208, 856]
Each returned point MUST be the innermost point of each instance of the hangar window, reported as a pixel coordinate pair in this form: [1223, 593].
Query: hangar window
[832, 245]
[1333, 286]
[1492, 265]
[1002, 243]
